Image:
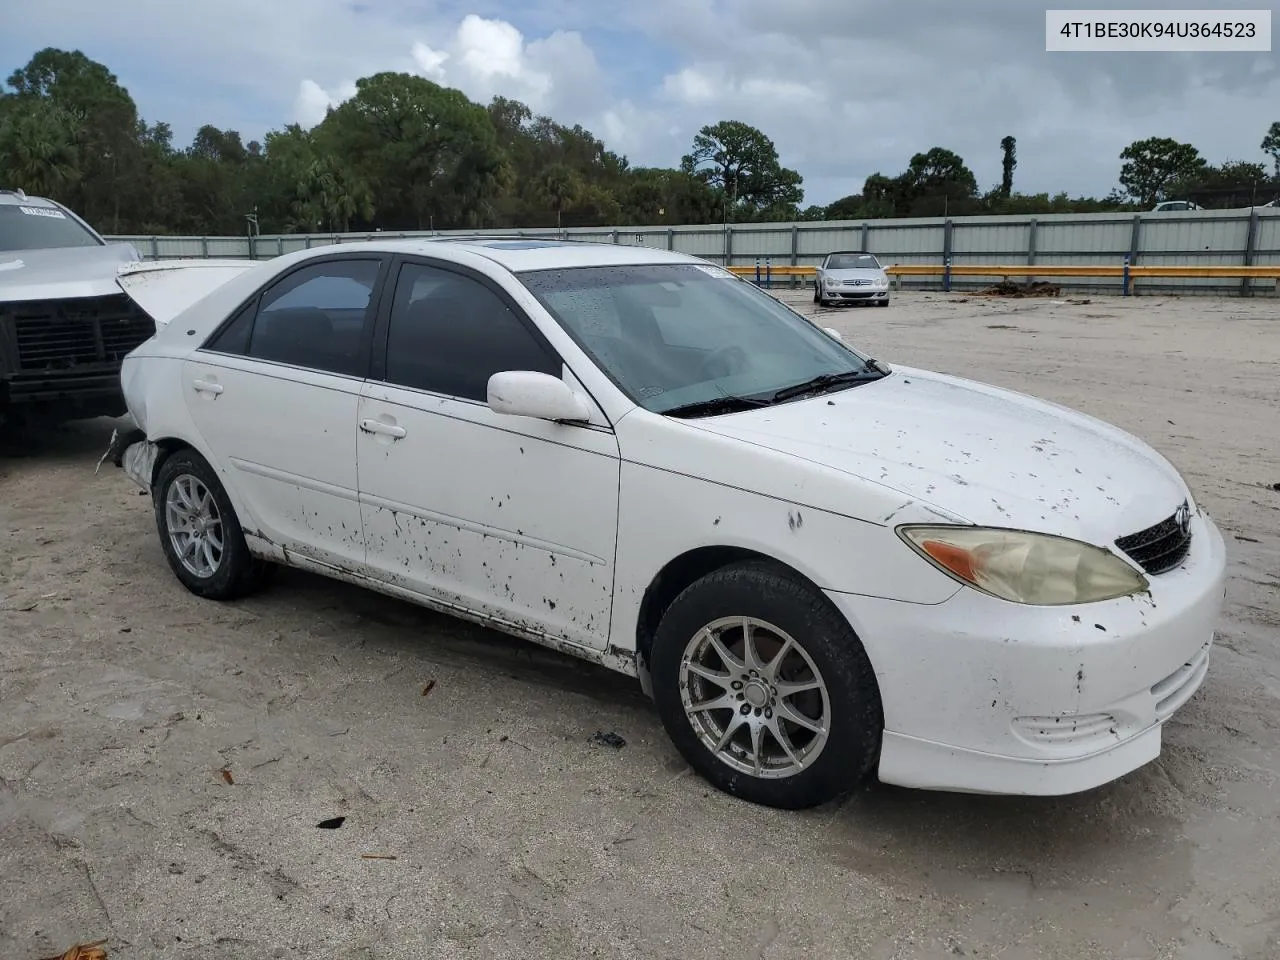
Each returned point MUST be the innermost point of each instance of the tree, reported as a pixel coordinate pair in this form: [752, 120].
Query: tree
[880, 196]
[406, 153]
[1233, 184]
[37, 149]
[742, 163]
[217, 179]
[846, 208]
[655, 195]
[220, 146]
[559, 188]
[1009, 149]
[311, 185]
[937, 183]
[105, 123]
[1271, 145]
[1151, 165]
[408, 138]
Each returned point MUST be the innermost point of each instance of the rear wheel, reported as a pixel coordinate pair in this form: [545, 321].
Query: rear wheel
[765, 689]
[200, 533]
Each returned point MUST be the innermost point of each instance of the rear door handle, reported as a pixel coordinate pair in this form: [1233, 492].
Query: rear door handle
[204, 386]
[387, 429]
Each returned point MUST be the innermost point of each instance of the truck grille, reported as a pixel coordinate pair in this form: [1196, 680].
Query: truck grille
[64, 334]
[1163, 547]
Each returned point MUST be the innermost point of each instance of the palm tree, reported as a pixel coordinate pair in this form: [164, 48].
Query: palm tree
[326, 194]
[558, 186]
[38, 149]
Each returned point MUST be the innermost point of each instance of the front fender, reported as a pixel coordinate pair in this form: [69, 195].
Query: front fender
[664, 515]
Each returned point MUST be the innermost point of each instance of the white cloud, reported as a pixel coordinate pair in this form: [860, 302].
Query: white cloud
[430, 63]
[493, 57]
[313, 102]
[646, 135]
[556, 74]
[690, 85]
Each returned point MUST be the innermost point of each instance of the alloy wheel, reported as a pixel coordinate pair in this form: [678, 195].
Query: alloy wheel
[754, 697]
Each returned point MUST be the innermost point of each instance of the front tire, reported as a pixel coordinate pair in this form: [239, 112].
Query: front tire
[764, 688]
[200, 533]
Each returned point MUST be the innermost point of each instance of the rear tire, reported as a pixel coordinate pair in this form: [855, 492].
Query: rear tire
[797, 718]
[200, 533]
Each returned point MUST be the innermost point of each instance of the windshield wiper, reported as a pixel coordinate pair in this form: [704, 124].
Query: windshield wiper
[878, 366]
[825, 380]
[707, 408]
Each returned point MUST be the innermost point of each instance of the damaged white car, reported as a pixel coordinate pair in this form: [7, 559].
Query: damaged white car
[821, 568]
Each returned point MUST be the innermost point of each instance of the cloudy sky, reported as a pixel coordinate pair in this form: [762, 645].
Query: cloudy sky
[844, 87]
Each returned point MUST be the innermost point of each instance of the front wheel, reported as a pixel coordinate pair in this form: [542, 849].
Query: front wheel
[200, 533]
[765, 689]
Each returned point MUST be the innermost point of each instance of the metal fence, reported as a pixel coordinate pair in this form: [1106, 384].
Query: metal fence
[1249, 237]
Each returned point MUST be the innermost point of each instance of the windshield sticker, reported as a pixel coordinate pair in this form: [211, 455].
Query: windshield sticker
[714, 271]
[43, 212]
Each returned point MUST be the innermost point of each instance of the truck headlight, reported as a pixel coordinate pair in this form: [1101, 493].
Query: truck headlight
[1022, 567]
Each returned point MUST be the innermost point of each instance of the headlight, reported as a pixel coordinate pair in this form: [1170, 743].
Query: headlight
[831, 281]
[1022, 567]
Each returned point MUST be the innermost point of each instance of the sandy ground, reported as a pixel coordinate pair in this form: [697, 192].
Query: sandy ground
[122, 698]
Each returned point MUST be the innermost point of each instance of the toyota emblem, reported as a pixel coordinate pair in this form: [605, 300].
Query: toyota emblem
[1183, 519]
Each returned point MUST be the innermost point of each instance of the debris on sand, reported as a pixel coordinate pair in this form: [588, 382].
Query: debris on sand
[83, 951]
[333, 823]
[609, 740]
[1010, 288]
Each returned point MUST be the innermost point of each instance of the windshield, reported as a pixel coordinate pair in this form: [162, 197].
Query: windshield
[673, 335]
[29, 227]
[852, 261]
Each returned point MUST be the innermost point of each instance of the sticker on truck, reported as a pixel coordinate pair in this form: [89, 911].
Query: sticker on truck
[43, 212]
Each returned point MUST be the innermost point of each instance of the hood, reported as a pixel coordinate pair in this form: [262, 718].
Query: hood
[990, 456]
[63, 273]
[857, 277]
[166, 288]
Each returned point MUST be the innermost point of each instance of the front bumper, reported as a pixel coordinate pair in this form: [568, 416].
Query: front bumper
[985, 696]
[853, 294]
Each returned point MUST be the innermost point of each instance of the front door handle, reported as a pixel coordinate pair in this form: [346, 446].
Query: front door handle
[387, 429]
[205, 386]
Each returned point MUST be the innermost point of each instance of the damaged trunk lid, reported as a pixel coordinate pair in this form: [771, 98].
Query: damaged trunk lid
[165, 289]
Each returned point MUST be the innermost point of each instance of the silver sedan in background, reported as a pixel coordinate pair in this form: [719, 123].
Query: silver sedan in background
[851, 277]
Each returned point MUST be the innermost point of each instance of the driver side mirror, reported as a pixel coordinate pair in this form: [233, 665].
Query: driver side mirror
[525, 393]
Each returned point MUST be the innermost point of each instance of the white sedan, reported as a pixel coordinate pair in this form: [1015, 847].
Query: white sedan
[820, 567]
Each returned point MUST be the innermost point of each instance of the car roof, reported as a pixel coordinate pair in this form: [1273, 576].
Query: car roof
[15, 198]
[520, 254]
[850, 253]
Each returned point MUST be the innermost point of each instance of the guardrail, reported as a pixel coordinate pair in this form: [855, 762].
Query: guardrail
[1127, 272]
